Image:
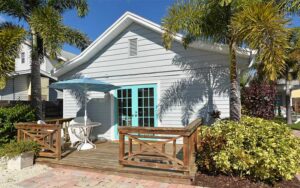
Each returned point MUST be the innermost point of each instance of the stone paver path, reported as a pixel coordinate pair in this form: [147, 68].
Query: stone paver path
[67, 178]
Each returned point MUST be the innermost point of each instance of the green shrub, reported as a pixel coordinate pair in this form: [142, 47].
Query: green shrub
[255, 148]
[11, 115]
[14, 149]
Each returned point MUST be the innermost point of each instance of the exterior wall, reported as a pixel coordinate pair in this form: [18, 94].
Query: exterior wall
[21, 88]
[47, 65]
[44, 88]
[186, 79]
[19, 66]
[295, 93]
[18, 91]
[55, 94]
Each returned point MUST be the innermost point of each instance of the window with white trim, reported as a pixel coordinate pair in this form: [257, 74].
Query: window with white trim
[23, 57]
[133, 47]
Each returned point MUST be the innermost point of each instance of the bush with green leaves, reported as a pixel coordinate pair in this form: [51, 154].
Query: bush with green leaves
[254, 148]
[14, 148]
[11, 115]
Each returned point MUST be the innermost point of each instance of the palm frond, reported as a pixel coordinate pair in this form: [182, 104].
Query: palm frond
[75, 38]
[262, 27]
[61, 6]
[12, 8]
[289, 6]
[183, 17]
[206, 20]
[47, 22]
[11, 37]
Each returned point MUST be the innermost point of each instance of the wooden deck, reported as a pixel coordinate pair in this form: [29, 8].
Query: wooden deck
[105, 158]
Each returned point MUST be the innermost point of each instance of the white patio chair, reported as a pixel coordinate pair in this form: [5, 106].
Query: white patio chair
[76, 134]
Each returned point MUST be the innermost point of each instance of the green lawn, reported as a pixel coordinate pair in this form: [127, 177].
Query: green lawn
[295, 126]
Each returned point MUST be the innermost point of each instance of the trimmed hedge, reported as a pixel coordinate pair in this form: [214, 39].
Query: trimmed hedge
[11, 115]
[255, 148]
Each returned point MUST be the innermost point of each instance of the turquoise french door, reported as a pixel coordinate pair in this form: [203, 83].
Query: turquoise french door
[136, 106]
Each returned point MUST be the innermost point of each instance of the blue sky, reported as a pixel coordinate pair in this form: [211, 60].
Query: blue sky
[104, 13]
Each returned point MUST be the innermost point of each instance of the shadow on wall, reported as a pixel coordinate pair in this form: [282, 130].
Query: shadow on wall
[98, 108]
[204, 81]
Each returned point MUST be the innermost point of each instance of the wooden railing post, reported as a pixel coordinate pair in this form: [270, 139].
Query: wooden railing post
[121, 147]
[58, 142]
[163, 148]
[196, 139]
[19, 135]
[186, 156]
[130, 145]
[174, 148]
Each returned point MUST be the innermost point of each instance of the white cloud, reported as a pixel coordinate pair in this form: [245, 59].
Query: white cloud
[2, 19]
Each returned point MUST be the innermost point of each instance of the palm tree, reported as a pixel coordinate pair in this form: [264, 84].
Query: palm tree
[257, 24]
[46, 32]
[292, 70]
[11, 37]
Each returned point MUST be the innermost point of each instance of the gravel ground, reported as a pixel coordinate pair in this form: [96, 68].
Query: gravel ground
[9, 178]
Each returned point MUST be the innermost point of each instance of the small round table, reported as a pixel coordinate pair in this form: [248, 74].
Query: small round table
[86, 143]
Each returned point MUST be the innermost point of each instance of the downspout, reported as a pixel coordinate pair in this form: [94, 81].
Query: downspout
[14, 97]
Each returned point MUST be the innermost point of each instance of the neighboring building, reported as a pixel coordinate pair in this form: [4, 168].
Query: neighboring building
[295, 95]
[18, 86]
[159, 87]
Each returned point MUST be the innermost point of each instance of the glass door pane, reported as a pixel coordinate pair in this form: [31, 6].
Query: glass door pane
[146, 107]
[124, 105]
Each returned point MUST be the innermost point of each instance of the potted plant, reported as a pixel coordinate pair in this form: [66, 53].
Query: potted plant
[19, 154]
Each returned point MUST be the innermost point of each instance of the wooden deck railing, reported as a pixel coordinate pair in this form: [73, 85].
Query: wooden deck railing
[152, 147]
[48, 136]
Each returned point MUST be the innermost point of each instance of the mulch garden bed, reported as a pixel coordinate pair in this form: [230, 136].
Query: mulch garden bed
[222, 181]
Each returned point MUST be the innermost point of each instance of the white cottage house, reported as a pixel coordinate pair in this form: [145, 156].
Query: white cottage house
[18, 86]
[159, 87]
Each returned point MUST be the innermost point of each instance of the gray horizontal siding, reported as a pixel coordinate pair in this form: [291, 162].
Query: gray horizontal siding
[17, 92]
[153, 64]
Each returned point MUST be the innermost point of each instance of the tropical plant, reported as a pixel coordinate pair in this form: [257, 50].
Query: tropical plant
[255, 148]
[11, 115]
[260, 25]
[46, 32]
[11, 37]
[13, 149]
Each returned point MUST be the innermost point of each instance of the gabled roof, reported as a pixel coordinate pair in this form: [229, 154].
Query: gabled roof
[120, 25]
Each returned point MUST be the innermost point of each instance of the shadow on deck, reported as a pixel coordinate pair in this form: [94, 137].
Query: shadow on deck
[105, 158]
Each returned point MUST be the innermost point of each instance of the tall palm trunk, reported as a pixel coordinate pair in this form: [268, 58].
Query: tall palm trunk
[235, 101]
[288, 100]
[36, 96]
